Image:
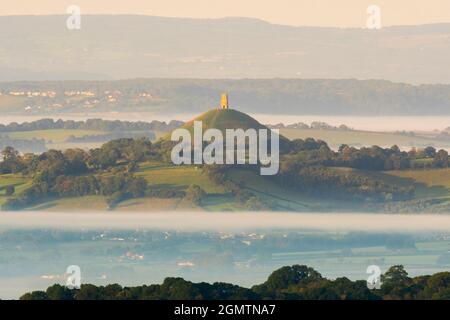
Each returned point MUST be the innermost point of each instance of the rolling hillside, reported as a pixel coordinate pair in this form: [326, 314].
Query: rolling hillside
[168, 184]
[431, 185]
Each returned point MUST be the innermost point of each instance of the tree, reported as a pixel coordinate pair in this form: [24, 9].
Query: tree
[395, 274]
[396, 283]
[283, 278]
[136, 187]
[442, 295]
[115, 199]
[88, 292]
[291, 282]
[195, 194]
[11, 161]
[349, 290]
[437, 286]
[76, 161]
[35, 295]
[59, 292]
[9, 153]
[429, 152]
[10, 190]
[255, 204]
[179, 289]
[441, 159]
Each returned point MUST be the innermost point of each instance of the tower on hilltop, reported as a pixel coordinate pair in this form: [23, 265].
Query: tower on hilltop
[224, 101]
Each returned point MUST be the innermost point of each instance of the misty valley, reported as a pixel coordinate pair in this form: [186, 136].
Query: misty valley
[301, 153]
[33, 259]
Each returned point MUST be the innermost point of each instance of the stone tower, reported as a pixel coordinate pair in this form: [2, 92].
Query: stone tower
[224, 101]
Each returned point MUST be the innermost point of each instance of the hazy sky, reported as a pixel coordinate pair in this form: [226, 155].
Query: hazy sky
[341, 13]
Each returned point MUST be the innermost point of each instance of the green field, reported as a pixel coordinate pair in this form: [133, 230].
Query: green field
[284, 198]
[177, 177]
[267, 189]
[53, 135]
[180, 177]
[164, 176]
[335, 138]
[429, 183]
[157, 174]
[20, 183]
[75, 204]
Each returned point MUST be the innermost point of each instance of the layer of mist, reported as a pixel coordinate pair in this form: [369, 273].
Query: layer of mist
[190, 221]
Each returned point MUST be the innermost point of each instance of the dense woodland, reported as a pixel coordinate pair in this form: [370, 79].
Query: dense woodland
[296, 282]
[307, 165]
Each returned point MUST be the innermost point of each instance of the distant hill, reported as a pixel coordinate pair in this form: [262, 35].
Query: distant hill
[130, 46]
[265, 96]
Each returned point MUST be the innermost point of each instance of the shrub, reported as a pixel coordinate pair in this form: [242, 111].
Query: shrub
[10, 190]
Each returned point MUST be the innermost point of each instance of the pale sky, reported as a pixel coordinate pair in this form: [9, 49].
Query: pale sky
[336, 13]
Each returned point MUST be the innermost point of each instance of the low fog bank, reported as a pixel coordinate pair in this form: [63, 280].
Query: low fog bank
[366, 123]
[193, 221]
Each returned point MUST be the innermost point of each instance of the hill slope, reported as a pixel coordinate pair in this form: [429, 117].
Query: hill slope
[228, 119]
[225, 119]
[432, 192]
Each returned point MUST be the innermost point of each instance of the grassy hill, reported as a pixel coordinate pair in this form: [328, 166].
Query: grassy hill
[227, 119]
[222, 120]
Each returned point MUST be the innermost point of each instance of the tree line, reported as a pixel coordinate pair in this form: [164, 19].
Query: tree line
[316, 152]
[297, 282]
[91, 124]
